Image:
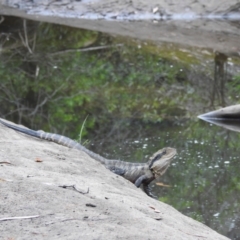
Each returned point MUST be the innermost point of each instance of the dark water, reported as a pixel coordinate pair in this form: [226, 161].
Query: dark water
[136, 98]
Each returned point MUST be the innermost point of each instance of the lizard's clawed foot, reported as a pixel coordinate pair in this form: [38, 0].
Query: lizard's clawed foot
[147, 189]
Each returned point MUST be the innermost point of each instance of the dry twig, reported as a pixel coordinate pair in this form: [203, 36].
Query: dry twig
[85, 49]
[5, 162]
[163, 185]
[19, 218]
[74, 188]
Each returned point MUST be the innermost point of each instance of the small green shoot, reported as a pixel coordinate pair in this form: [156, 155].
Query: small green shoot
[81, 130]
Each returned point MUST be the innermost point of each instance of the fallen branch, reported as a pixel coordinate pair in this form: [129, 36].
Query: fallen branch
[74, 188]
[86, 49]
[19, 218]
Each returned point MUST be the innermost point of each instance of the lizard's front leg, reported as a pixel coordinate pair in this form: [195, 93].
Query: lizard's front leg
[140, 180]
[147, 189]
[145, 180]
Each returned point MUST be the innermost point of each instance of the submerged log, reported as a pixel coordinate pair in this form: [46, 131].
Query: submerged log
[231, 112]
[228, 117]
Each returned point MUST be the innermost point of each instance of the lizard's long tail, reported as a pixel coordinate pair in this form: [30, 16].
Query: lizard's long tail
[62, 140]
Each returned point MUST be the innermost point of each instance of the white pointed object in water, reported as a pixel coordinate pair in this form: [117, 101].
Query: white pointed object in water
[228, 117]
[231, 112]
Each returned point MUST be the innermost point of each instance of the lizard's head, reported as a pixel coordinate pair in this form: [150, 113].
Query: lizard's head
[160, 160]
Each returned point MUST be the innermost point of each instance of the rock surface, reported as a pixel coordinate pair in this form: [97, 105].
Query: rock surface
[32, 171]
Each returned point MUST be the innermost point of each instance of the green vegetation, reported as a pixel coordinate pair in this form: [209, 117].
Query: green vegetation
[53, 87]
[52, 84]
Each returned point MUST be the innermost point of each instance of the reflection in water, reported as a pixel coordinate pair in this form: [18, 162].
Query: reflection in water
[137, 99]
[220, 77]
[233, 125]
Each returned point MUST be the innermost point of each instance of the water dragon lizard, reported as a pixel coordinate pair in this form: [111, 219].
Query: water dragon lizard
[137, 173]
